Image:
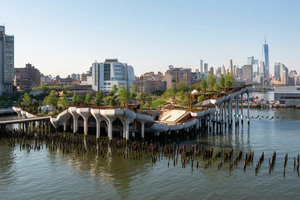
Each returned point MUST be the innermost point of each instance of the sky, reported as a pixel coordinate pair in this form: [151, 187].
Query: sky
[61, 37]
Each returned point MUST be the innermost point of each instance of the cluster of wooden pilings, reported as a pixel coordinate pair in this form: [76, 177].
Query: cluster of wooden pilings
[197, 156]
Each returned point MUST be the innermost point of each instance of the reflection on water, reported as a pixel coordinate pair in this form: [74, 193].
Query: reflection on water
[52, 175]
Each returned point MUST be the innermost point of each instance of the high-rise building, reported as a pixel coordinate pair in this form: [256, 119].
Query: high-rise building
[230, 68]
[262, 67]
[266, 59]
[205, 67]
[223, 71]
[111, 72]
[247, 73]
[6, 62]
[201, 66]
[277, 70]
[281, 73]
[250, 60]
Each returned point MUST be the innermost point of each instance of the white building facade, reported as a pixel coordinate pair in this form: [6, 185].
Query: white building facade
[111, 72]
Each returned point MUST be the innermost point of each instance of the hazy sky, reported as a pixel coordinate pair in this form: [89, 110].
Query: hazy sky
[64, 36]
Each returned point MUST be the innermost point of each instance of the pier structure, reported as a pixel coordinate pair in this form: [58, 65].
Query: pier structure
[27, 121]
[108, 120]
[116, 122]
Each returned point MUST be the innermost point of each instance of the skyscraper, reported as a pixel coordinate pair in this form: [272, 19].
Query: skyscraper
[6, 61]
[205, 67]
[231, 70]
[247, 73]
[201, 66]
[266, 58]
[250, 60]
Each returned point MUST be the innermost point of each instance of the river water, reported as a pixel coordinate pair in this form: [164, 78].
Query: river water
[53, 175]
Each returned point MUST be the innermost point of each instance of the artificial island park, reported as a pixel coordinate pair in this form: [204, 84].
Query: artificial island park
[121, 141]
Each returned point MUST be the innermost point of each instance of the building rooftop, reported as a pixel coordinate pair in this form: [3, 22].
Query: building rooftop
[288, 89]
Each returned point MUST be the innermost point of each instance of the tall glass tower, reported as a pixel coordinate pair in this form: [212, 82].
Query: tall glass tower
[266, 58]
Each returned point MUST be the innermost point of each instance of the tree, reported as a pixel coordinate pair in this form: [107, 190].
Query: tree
[201, 99]
[88, 99]
[141, 97]
[98, 98]
[75, 103]
[26, 100]
[203, 84]
[229, 80]
[222, 81]
[9, 102]
[181, 87]
[110, 101]
[123, 96]
[2, 103]
[51, 99]
[133, 93]
[63, 102]
[79, 101]
[113, 91]
[211, 79]
[217, 87]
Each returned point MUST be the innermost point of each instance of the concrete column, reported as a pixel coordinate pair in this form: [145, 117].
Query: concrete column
[97, 116]
[230, 112]
[238, 108]
[109, 129]
[65, 126]
[235, 106]
[225, 114]
[143, 129]
[97, 129]
[85, 113]
[209, 120]
[127, 130]
[242, 107]
[248, 104]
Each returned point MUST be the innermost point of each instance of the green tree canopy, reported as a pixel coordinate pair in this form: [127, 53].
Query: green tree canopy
[217, 87]
[63, 102]
[88, 99]
[98, 98]
[51, 99]
[123, 96]
[26, 100]
[75, 103]
[203, 84]
[222, 81]
[201, 99]
[79, 101]
[181, 87]
[9, 102]
[113, 91]
[2, 103]
[133, 93]
[211, 79]
[229, 80]
[110, 101]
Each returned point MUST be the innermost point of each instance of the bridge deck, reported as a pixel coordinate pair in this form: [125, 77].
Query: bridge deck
[24, 120]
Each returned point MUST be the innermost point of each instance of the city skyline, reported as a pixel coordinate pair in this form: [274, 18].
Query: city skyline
[68, 38]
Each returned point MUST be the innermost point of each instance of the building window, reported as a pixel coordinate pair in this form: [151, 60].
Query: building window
[106, 72]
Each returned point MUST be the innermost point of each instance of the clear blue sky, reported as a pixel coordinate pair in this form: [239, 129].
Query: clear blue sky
[64, 37]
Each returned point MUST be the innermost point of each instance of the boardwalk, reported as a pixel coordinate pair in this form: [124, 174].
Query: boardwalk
[24, 120]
